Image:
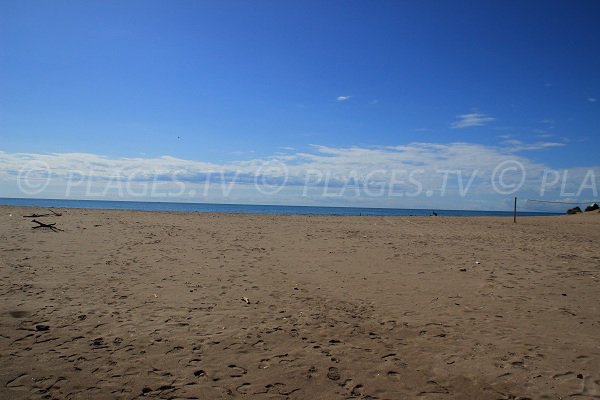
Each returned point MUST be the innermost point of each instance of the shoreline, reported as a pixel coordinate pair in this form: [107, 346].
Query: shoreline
[505, 214]
[241, 214]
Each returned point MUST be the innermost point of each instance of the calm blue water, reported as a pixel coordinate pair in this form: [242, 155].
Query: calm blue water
[251, 209]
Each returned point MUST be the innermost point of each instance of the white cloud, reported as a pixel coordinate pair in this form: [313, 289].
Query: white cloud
[472, 119]
[591, 99]
[517, 145]
[343, 98]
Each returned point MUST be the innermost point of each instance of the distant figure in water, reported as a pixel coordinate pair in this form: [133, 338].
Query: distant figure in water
[434, 214]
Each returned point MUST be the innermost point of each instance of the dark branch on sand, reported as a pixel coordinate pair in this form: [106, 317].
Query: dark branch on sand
[43, 225]
[43, 215]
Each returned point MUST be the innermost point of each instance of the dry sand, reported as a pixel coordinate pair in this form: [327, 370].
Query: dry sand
[150, 304]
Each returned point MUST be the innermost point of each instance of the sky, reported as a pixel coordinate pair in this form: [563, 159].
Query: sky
[300, 96]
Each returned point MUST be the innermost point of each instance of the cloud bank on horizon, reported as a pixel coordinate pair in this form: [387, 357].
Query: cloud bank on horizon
[417, 175]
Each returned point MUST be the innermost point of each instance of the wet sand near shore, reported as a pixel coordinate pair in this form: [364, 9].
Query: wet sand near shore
[129, 304]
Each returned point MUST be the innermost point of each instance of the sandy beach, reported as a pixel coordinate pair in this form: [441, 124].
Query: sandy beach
[128, 304]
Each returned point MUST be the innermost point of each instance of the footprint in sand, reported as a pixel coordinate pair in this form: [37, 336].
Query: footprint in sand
[357, 390]
[237, 372]
[19, 314]
[246, 388]
[18, 383]
[333, 374]
[199, 373]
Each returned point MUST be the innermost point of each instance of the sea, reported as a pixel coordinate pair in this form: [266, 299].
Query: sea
[257, 208]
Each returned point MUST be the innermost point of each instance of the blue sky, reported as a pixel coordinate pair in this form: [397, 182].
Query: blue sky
[227, 82]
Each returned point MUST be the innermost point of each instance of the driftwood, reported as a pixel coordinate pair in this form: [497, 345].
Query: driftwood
[43, 215]
[43, 225]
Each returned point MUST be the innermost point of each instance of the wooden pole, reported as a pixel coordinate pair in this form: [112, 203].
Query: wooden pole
[515, 212]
